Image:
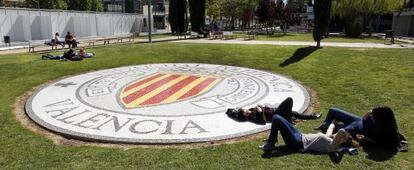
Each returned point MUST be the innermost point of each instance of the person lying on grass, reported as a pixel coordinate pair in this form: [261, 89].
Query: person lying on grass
[378, 126]
[69, 55]
[262, 114]
[296, 141]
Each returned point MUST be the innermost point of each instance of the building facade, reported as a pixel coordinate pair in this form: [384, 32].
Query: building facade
[403, 21]
[124, 6]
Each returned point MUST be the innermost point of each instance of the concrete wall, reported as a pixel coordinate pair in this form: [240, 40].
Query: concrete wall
[27, 24]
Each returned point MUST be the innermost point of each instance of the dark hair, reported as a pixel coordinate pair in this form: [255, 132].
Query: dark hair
[385, 126]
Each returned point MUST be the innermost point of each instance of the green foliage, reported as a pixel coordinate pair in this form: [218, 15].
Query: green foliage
[129, 6]
[96, 5]
[79, 5]
[265, 11]
[353, 27]
[322, 12]
[177, 16]
[213, 8]
[197, 14]
[47, 4]
[359, 7]
[229, 8]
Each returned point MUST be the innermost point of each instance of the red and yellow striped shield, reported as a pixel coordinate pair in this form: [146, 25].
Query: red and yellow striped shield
[163, 88]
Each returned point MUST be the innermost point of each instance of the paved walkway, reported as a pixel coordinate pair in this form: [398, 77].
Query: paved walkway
[235, 41]
[39, 49]
[296, 43]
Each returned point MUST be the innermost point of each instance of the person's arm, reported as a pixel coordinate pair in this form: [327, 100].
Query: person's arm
[330, 129]
[362, 138]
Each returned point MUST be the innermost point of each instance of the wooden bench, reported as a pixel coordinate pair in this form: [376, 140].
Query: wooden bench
[36, 43]
[229, 35]
[251, 35]
[194, 34]
[129, 37]
[217, 35]
[184, 35]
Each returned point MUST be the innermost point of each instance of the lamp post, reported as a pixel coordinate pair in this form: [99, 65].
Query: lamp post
[149, 22]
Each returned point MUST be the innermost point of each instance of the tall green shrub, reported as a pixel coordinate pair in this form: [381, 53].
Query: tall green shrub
[322, 11]
[47, 4]
[177, 16]
[197, 14]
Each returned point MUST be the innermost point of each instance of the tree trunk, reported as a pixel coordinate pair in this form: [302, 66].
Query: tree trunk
[369, 17]
[318, 44]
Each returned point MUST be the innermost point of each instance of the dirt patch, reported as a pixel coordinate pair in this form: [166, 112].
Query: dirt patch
[21, 116]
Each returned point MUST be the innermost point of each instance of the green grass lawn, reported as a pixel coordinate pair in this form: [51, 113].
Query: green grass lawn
[308, 37]
[349, 78]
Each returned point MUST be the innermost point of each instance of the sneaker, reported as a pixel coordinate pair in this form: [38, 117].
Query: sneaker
[317, 115]
[267, 147]
[320, 128]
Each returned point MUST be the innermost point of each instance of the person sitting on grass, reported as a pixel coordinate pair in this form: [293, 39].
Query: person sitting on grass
[70, 55]
[83, 54]
[262, 114]
[378, 126]
[296, 141]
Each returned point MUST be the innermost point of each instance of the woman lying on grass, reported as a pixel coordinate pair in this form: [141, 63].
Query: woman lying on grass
[262, 114]
[295, 140]
[378, 126]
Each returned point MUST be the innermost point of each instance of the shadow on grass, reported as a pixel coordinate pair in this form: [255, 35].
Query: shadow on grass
[284, 151]
[299, 54]
[377, 153]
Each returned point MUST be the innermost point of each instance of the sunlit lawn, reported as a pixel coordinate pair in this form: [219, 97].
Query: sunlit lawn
[279, 36]
[354, 79]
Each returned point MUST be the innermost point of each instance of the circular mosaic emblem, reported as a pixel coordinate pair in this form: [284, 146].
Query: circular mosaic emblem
[159, 103]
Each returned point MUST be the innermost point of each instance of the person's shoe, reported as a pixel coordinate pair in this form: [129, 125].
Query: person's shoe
[320, 128]
[317, 115]
[266, 147]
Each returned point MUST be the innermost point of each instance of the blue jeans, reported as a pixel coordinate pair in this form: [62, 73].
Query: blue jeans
[353, 123]
[291, 135]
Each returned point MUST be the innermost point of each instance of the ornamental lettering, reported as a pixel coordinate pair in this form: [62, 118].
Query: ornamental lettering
[159, 103]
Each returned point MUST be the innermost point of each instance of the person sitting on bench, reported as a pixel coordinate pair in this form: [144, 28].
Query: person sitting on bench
[58, 40]
[70, 40]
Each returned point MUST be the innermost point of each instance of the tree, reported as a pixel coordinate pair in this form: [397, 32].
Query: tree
[197, 15]
[177, 16]
[96, 5]
[322, 11]
[79, 5]
[265, 12]
[352, 10]
[47, 4]
[231, 9]
[288, 14]
[172, 16]
[213, 8]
